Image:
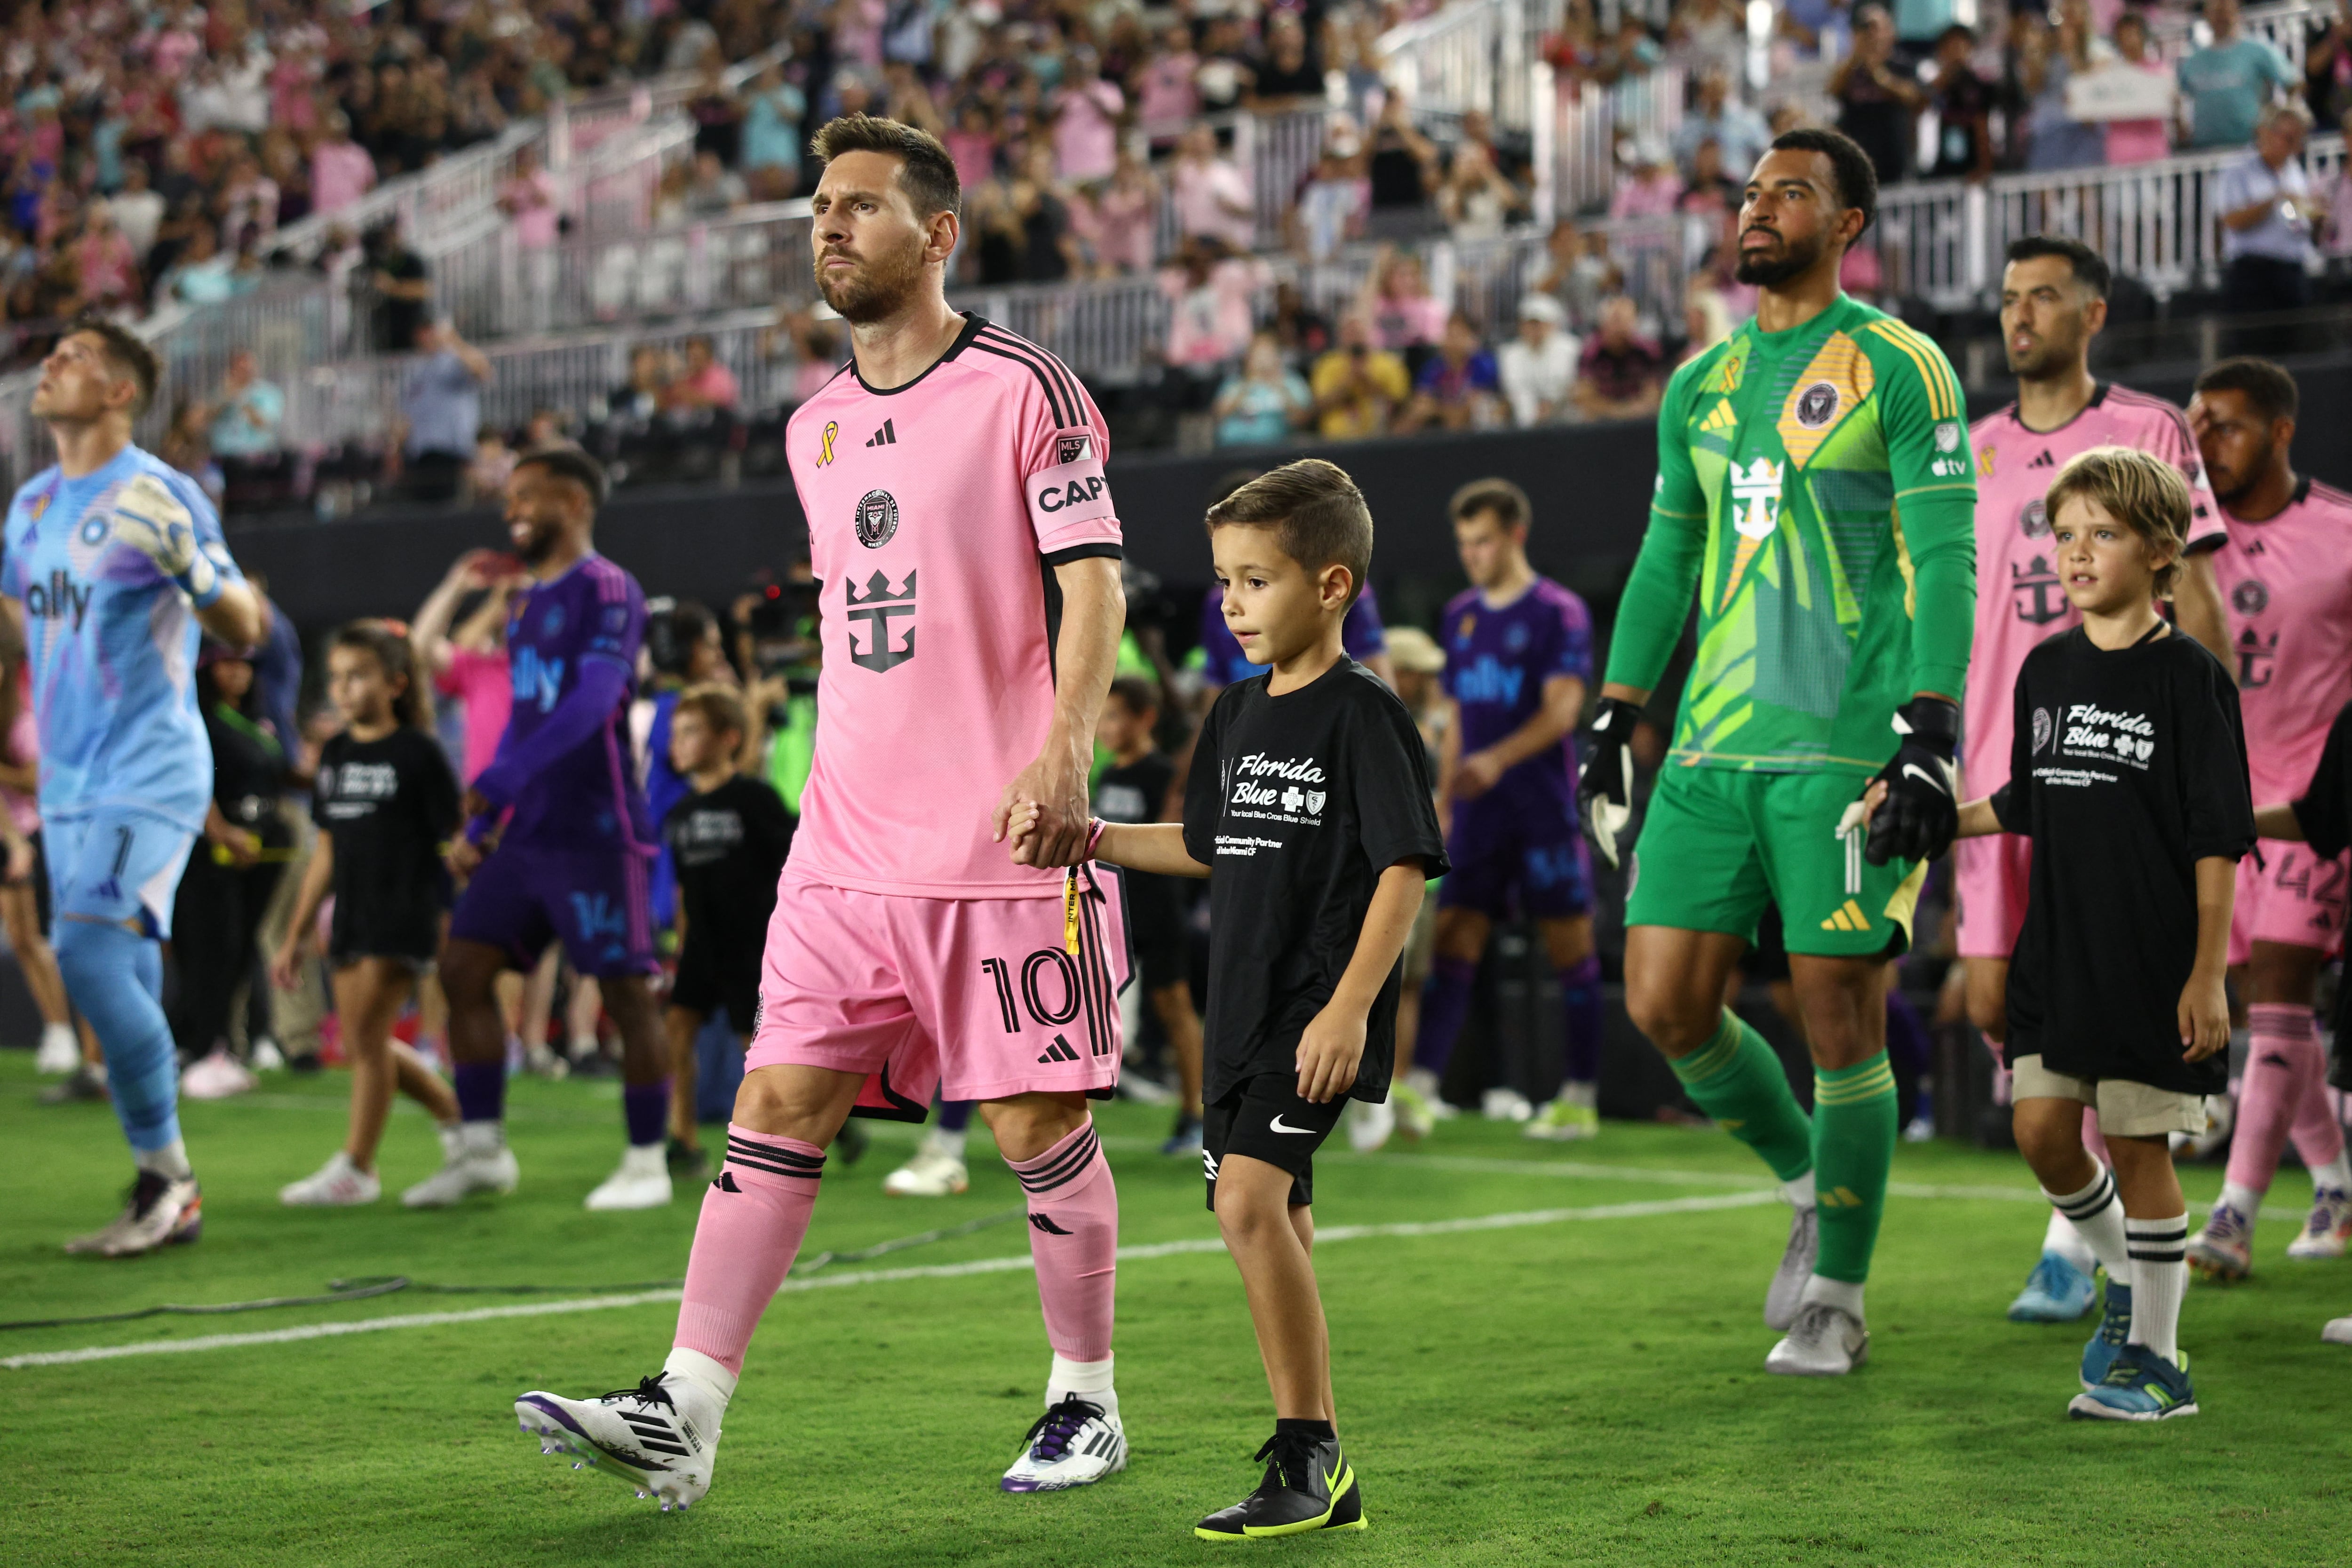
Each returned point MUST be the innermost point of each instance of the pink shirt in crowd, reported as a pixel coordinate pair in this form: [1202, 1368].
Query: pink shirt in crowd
[932, 704]
[1201, 191]
[341, 173]
[531, 199]
[2141, 140]
[483, 683]
[1086, 133]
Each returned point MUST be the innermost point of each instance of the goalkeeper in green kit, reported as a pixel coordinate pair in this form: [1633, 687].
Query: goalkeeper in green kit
[1817, 492]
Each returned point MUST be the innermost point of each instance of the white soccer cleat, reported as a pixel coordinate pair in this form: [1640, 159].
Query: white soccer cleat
[267, 1057]
[1826, 1341]
[1786, 1294]
[162, 1213]
[60, 1051]
[467, 1169]
[336, 1185]
[1505, 1105]
[1369, 1126]
[933, 1172]
[217, 1077]
[661, 1437]
[1075, 1443]
[2338, 1331]
[642, 1182]
[2329, 1227]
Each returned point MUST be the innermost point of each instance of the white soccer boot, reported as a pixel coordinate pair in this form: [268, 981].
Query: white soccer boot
[1075, 1443]
[661, 1437]
[336, 1185]
[267, 1057]
[472, 1161]
[162, 1213]
[1827, 1341]
[60, 1050]
[1369, 1126]
[1505, 1105]
[2330, 1224]
[642, 1182]
[2338, 1331]
[217, 1077]
[933, 1172]
[1787, 1293]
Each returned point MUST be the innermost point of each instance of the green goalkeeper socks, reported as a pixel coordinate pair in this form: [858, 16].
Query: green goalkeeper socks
[1737, 1081]
[1854, 1144]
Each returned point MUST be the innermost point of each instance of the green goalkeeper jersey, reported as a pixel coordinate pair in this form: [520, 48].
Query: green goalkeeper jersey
[1816, 489]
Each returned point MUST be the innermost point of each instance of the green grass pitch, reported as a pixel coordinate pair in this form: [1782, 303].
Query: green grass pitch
[1584, 1388]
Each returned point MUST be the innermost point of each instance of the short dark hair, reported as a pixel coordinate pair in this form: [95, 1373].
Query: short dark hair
[926, 174]
[1137, 695]
[394, 656]
[1961, 28]
[569, 463]
[1318, 515]
[128, 353]
[2091, 269]
[720, 706]
[1850, 166]
[2267, 387]
[1505, 500]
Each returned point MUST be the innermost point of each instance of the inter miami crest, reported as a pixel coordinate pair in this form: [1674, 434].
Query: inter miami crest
[2249, 598]
[1817, 404]
[2034, 521]
[877, 519]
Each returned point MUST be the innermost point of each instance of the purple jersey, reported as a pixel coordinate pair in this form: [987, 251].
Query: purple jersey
[586, 797]
[1497, 661]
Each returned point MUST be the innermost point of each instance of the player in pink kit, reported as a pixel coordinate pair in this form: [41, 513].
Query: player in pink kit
[953, 477]
[2287, 579]
[2054, 301]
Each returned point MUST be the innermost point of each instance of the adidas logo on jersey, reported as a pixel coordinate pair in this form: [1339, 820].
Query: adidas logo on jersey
[884, 437]
[2045, 461]
[1059, 1051]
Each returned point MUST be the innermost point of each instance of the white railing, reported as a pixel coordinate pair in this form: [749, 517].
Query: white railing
[1474, 55]
[1942, 240]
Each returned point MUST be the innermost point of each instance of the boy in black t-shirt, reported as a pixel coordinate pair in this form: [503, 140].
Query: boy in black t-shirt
[729, 840]
[1308, 809]
[2129, 771]
[1134, 790]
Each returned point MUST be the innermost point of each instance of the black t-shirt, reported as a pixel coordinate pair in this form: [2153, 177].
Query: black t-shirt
[1297, 804]
[728, 847]
[247, 760]
[389, 806]
[1876, 120]
[1963, 107]
[1130, 793]
[2128, 767]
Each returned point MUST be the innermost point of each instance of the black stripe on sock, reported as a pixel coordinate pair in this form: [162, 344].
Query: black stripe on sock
[744, 1162]
[1064, 1170]
[2098, 1200]
[772, 1151]
[2138, 1237]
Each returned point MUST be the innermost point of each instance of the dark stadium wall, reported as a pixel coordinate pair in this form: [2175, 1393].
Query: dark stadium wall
[1590, 485]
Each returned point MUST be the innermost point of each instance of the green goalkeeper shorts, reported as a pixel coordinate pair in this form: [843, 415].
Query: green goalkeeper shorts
[1717, 845]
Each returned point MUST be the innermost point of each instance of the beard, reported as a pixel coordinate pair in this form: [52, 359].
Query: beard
[2230, 489]
[2046, 357]
[879, 289]
[1768, 270]
[539, 543]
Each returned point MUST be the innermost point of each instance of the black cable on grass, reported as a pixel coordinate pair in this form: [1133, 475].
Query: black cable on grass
[367, 1286]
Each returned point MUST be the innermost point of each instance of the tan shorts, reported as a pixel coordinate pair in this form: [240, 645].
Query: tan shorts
[2127, 1110]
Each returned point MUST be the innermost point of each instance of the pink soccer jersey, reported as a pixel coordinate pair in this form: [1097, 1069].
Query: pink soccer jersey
[2288, 583]
[936, 513]
[2018, 599]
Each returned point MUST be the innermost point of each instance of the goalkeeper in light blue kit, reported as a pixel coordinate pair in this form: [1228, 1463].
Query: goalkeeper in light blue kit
[115, 567]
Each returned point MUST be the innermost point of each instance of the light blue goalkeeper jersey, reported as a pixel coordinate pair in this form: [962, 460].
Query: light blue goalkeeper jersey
[110, 643]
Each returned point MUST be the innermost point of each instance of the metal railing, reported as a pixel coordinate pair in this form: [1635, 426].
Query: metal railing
[1941, 240]
[1474, 55]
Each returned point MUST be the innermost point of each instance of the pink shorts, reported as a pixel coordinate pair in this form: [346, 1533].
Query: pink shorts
[975, 998]
[2291, 896]
[1989, 875]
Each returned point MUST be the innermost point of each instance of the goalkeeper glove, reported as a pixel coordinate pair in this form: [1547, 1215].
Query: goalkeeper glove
[1921, 813]
[150, 519]
[1603, 787]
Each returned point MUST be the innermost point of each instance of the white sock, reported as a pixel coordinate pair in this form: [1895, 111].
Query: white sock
[643, 1157]
[51, 1033]
[697, 1368]
[2097, 1215]
[1799, 1191]
[2336, 1175]
[2064, 1239]
[1583, 1094]
[171, 1160]
[1089, 1378]
[481, 1137]
[949, 1143]
[2245, 1200]
[1839, 1293]
[2160, 1262]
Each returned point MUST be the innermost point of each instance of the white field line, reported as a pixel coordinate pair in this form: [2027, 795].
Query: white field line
[1010, 1264]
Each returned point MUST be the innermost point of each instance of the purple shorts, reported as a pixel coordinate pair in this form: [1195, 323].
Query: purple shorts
[1516, 855]
[592, 901]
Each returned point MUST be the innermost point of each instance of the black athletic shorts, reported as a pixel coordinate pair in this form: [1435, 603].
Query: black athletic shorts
[1155, 923]
[409, 933]
[708, 980]
[1265, 1120]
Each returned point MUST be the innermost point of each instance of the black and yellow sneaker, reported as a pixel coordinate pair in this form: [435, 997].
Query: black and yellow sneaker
[1308, 1486]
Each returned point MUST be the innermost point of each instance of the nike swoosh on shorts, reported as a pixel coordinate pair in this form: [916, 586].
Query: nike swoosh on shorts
[1278, 1127]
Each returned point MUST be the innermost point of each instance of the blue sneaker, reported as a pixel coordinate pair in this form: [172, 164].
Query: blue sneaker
[2055, 1292]
[1186, 1139]
[2140, 1386]
[2107, 1343]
